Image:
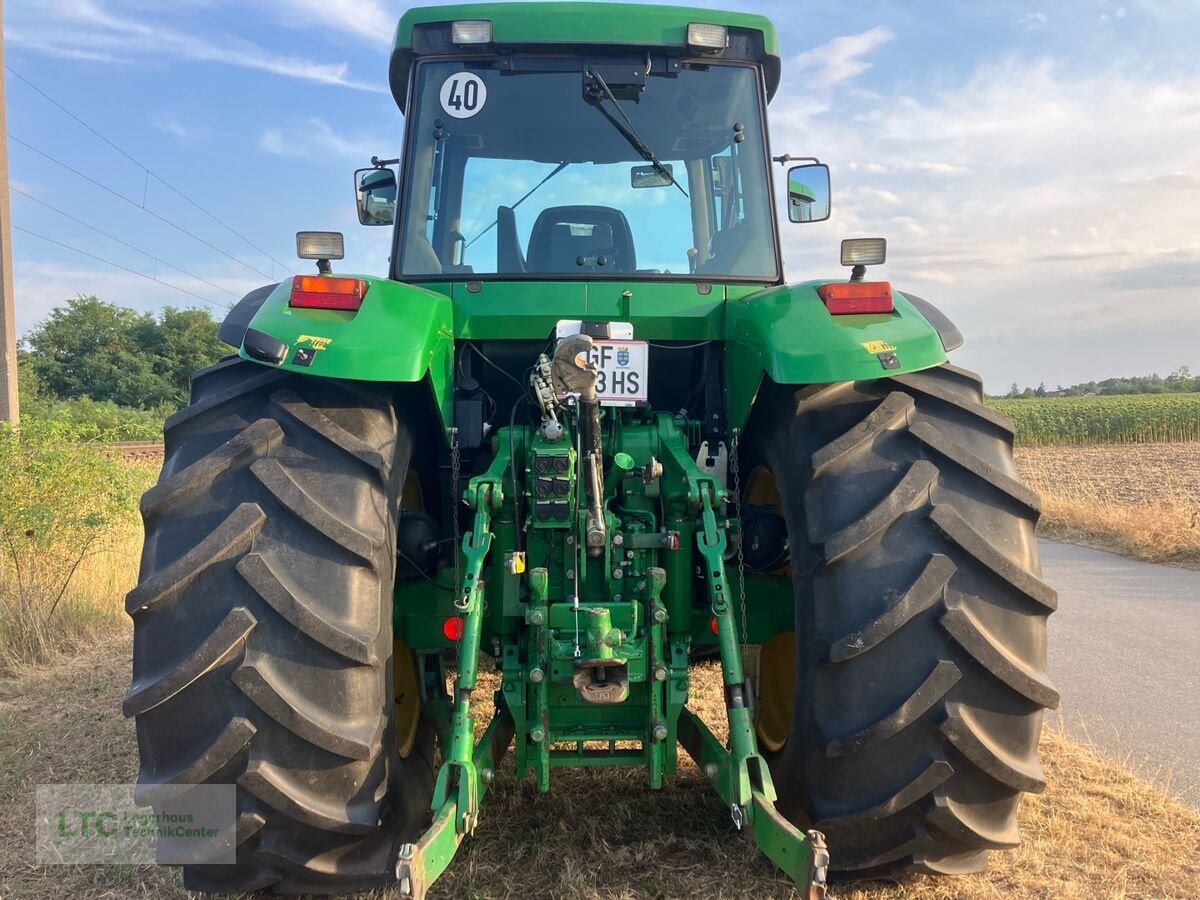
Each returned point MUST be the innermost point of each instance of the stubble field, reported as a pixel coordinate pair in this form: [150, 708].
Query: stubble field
[1142, 500]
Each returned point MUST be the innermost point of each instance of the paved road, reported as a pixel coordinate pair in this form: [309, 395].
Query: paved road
[1125, 653]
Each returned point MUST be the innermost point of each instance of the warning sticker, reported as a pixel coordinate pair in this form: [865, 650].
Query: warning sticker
[878, 347]
[463, 95]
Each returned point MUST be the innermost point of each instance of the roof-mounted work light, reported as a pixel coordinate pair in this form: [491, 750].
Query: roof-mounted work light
[864, 251]
[471, 31]
[707, 37]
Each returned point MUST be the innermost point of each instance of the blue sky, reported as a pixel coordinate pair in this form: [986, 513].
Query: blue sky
[1035, 166]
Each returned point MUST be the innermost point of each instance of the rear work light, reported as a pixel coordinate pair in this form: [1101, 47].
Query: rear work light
[707, 37]
[471, 31]
[327, 292]
[845, 298]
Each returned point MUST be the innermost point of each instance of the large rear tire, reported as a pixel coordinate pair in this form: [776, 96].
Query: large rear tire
[918, 662]
[263, 627]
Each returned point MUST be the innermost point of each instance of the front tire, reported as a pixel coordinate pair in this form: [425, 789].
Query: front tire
[263, 627]
[918, 663]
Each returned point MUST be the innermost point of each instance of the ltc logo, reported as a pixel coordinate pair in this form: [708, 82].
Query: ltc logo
[318, 343]
[622, 356]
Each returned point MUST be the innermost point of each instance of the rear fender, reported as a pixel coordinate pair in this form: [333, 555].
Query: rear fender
[786, 334]
[401, 334]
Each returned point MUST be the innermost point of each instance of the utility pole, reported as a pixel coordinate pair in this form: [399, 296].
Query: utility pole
[9, 405]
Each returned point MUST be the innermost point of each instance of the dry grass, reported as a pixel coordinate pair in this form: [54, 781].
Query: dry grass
[59, 605]
[1140, 500]
[1097, 832]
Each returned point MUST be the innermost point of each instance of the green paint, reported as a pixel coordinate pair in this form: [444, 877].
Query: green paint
[786, 334]
[402, 333]
[623, 24]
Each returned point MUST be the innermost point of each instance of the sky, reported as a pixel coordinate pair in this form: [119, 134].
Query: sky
[1035, 167]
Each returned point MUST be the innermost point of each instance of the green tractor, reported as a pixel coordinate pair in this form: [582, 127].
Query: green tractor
[584, 427]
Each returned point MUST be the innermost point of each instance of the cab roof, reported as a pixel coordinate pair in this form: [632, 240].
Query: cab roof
[568, 24]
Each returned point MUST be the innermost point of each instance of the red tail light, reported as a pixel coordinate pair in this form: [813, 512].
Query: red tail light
[844, 298]
[327, 292]
[452, 628]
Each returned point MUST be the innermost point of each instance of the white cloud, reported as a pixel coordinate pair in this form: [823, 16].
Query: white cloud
[370, 20]
[1039, 207]
[841, 58]
[40, 286]
[84, 29]
[171, 126]
[316, 140]
[1032, 21]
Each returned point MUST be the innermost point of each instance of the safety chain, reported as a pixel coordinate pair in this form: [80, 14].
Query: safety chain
[737, 511]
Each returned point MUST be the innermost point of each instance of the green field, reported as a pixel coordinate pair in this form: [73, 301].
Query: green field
[1127, 419]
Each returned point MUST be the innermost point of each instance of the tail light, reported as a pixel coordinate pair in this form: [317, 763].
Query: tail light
[327, 292]
[452, 628]
[845, 298]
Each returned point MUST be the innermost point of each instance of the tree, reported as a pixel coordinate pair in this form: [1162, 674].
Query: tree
[181, 342]
[94, 349]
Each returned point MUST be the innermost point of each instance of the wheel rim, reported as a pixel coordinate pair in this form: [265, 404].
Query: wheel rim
[777, 657]
[408, 697]
[405, 680]
[776, 690]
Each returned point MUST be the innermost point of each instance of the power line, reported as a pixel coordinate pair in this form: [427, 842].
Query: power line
[137, 205]
[113, 237]
[150, 172]
[115, 265]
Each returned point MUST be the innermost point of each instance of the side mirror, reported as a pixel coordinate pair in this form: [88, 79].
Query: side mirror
[808, 193]
[375, 196]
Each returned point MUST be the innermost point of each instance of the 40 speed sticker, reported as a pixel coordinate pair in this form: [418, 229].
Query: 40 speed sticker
[463, 95]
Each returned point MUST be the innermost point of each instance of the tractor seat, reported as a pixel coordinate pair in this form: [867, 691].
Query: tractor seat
[564, 235]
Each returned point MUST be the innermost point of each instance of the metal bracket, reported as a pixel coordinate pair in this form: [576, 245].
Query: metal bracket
[747, 771]
[802, 857]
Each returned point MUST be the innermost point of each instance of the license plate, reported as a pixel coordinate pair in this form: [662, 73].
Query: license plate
[624, 370]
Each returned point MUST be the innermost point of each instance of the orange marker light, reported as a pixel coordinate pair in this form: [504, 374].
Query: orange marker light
[844, 298]
[327, 292]
[452, 628]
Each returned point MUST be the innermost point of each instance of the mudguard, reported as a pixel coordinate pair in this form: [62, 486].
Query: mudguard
[787, 335]
[402, 333]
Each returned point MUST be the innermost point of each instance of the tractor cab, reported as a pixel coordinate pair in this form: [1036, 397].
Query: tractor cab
[536, 159]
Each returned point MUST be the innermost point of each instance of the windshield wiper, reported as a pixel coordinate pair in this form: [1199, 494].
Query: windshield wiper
[628, 130]
[562, 165]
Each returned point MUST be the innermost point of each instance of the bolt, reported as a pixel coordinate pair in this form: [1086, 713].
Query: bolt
[570, 574]
[537, 617]
[660, 614]
[537, 734]
[660, 732]
[570, 540]
[618, 573]
[710, 771]
[618, 540]
[487, 775]
[641, 585]
[536, 675]
[660, 673]
[617, 598]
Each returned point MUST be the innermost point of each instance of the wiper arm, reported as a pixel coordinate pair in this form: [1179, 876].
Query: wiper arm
[562, 165]
[629, 131]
